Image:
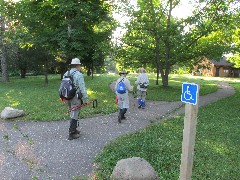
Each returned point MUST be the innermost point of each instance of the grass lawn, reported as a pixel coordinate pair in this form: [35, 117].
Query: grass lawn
[42, 103]
[173, 91]
[216, 150]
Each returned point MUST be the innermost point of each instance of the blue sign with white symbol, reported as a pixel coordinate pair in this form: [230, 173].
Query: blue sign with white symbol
[189, 93]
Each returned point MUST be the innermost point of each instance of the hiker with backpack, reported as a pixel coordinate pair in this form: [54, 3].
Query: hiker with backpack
[142, 85]
[80, 93]
[122, 87]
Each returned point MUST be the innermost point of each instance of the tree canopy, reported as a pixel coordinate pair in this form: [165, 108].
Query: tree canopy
[235, 58]
[65, 29]
[154, 36]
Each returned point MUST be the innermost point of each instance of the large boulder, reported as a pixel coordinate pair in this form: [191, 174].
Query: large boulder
[134, 169]
[9, 113]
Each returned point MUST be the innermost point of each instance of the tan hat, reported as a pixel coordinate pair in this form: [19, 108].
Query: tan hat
[75, 61]
[123, 72]
[142, 70]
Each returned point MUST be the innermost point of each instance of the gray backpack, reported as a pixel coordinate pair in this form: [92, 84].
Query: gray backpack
[67, 88]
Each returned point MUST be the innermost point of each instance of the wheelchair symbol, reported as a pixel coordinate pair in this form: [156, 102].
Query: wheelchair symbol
[187, 95]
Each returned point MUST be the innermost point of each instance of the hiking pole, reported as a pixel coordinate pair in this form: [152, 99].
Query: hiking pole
[134, 92]
[94, 102]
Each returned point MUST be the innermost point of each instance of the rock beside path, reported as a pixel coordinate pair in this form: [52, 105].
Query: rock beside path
[135, 168]
[9, 113]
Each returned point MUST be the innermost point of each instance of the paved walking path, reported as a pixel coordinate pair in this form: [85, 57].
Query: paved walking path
[40, 149]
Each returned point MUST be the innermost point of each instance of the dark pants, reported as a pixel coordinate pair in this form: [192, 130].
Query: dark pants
[122, 113]
[73, 126]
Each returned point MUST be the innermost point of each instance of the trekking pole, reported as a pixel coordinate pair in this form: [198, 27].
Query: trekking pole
[134, 92]
[94, 102]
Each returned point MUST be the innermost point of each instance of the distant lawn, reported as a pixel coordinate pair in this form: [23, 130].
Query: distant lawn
[216, 151]
[173, 92]
[42, 103]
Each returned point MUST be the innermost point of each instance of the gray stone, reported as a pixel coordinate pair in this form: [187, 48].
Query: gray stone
[9, 113]
[134, 169]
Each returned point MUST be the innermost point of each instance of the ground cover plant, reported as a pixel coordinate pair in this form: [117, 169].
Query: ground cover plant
[216, 150]
[41, 102]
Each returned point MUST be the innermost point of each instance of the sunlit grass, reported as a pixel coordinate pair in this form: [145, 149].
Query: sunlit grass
[173, 91]
[41, 102]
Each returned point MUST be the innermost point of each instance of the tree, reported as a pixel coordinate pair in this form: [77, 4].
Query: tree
[3, 44]
[235, 58]
[65, 29]
[34, 59]
[170, 40]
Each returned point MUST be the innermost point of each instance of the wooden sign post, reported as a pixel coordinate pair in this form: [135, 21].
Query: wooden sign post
[190, 96]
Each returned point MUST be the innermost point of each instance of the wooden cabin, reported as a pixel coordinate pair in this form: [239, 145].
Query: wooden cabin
[221, 68]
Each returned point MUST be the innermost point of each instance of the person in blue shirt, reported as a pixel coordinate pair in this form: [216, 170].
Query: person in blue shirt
[76, 101]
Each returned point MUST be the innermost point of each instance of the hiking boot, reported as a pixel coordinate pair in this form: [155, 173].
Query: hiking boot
[73, 136]
[139, 103]
[143, 104]
[77, 132]
[123, 113]
[119, 119]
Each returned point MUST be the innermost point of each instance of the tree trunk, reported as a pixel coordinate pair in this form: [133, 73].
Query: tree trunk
[63, 69]
[23, 72]
[165, 80]
[157, 51]
[165, 74]
[157, 41]
[166, 71]
[92, 69]
[89, 72]
[157, 74]
[4, 65]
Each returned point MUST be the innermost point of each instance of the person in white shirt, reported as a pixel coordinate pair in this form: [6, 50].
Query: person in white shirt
[123, 98]
[142, 84]
[79, 83]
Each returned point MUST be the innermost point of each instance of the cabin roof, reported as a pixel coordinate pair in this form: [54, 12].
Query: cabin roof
[222, 62]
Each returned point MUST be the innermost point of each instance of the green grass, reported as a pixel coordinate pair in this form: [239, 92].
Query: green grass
[173, 91]
[42, 103]
[216, 150]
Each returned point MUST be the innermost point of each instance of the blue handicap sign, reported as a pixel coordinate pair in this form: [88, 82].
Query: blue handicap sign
[189, 93]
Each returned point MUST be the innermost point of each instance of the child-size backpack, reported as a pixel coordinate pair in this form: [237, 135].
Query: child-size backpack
[121, 88]
[67, 89]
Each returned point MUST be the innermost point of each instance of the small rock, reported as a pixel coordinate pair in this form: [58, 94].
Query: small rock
[134, 169]
[9, 113]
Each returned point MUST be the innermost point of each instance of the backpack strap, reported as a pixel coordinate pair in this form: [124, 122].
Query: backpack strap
[71, 76]
[121, 80]
[72, 73]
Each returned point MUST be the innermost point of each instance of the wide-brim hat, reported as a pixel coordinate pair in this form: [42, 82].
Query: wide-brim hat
[123, 72]
[75, 61]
